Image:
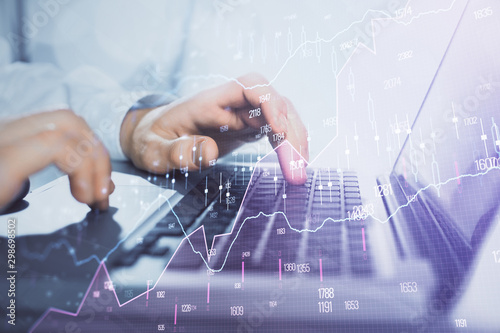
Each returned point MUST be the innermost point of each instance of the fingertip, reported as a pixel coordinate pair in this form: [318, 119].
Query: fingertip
[296, 177]
[103, 205]
[111, 186]
[100, 206]
[209, 152]
[101, 198]
[293, 165]
[103, 188]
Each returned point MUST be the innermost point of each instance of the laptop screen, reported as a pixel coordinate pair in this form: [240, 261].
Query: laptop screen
[451, 157]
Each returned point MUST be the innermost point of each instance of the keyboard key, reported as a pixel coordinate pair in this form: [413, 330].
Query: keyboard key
[327, 194]
[331, 188]
[324, 200]
[327, 205]
[325, 182]
[349, 189]
[352, 201]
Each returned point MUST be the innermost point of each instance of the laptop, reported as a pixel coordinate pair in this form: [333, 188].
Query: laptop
[237, 248]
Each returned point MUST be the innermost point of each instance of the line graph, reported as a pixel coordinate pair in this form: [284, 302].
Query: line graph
[317, 40]
[71, 250]
[374, 52]
[294, 53]
[43, 255]
[154, 291]
[102, 265]
[329, 219]
[57, 245]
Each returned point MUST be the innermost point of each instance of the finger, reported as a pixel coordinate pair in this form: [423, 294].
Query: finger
[77, 150]
[103, 185]
[10, 177]
[292, 164]
[62, 138]
[281, 123]
[193, 152]
[252, 91]
[275, 116]
[209, 114]
[81, 182]
[27, 156]
[293, 154]
[27, 126]
[87, 163]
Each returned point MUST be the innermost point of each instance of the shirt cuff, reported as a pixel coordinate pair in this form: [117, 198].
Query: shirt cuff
[105, 113]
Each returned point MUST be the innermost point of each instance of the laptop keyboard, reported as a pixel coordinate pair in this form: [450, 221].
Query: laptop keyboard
[214, 202]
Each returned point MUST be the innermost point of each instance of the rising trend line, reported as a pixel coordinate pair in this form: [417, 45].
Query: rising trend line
[71, 250]
[373, 51]
[103, 265]
[317, 40]
[57, 245]
[329, 219]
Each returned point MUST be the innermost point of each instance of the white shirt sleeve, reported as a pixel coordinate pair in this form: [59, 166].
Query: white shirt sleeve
[29, 88]
[103, 103]
[91, 59]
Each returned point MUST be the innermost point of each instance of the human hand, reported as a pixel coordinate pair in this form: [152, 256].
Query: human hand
[29, 144]
[187, 132]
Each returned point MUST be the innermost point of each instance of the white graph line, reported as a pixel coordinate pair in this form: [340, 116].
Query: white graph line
[329, 219]
[315, 41]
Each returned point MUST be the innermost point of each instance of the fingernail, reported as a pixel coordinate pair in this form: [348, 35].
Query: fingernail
[111, 186]
[198, 152]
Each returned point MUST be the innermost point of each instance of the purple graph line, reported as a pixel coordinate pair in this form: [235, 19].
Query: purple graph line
[363, 235]
[279, 267]
[321, 270]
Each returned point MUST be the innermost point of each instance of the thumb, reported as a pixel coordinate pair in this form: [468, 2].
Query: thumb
[192, 151]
